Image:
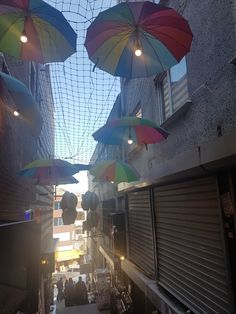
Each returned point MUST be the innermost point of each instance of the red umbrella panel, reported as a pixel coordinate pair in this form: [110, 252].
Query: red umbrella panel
[130, 129]
[138, 39]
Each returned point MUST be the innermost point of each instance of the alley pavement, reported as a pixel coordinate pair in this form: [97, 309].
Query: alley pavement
[81, 309]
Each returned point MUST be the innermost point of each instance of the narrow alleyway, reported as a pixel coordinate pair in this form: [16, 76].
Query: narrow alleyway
[82, 309]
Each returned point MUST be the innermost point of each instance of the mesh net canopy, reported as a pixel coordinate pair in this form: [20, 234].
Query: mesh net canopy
[83, 98]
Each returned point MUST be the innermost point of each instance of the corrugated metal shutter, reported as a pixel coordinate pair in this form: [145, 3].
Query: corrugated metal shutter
[190, 246]
[141, 248]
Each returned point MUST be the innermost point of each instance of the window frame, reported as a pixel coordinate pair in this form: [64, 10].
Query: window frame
[158, 81]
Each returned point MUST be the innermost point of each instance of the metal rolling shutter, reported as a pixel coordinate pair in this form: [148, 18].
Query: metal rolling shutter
[190, 246]
[141, 248]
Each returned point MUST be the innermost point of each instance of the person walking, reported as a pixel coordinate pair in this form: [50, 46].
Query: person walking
[81, 294]
[60, 290]
[69, 293]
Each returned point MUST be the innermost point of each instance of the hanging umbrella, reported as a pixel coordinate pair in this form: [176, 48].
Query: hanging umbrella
[137, 39]
[48, 171]
[34, 30]
[82, 167]
[114, 171]
[24, 102]
[130, 129]
[58, 181]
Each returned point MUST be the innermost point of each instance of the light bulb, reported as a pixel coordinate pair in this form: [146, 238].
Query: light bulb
[130, 141]
[138, 52]
[122, 258]
[16, 113]
[23, 38]
[112, 182]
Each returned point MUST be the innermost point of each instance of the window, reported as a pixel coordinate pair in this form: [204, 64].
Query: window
[79, 230]
[137, 112]
[80, 216]
[58, 222]
[57, 205]
[172, 90]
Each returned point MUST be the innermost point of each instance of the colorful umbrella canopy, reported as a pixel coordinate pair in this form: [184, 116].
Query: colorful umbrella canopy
[130, 129]
[82, 167]
[24, 102]
[114, 171]
[48, 171]
[47, 36]
[58, 181]
[137, 39]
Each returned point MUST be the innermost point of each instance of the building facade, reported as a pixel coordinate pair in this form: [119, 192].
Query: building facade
[23, 139]
[71, 245]
[180, 217]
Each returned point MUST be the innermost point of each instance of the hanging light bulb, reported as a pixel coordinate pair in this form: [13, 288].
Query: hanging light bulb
[112, 182]
[23, 38]
[16, 113]
[130, 141]
[138, 50]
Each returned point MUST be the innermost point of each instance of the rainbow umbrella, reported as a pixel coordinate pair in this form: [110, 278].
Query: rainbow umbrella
[48, 171]
[34, 30]
[138, 39]
[58, 181]
[130, 129]
[114, 171]
[24, 102]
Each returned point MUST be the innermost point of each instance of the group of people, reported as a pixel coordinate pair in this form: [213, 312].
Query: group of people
[74, 294]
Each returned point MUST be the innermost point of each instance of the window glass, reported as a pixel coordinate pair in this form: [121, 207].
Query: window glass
[58, 221]
[138, 114]
[57, 205]
[178, 71]
[173, 89]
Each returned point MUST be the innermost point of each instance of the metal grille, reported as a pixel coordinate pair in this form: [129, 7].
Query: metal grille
[141, 250]
[190, 245]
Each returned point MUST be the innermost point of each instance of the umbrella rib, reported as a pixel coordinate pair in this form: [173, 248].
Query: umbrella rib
[156, 53]
[145, 62]
[12, 24]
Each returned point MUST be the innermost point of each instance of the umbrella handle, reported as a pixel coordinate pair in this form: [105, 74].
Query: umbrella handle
[95, 65]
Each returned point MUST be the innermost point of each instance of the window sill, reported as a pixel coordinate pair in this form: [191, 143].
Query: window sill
[177, 114]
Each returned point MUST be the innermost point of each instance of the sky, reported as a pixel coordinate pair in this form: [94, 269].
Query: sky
[83, 98]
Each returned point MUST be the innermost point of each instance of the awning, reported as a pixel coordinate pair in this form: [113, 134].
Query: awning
[67, 255]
